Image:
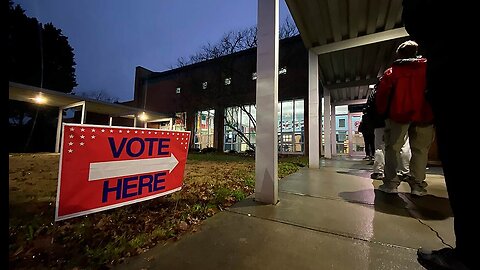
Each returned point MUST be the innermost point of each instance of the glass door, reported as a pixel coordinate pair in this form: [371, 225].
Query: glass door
[357, 144]
[341, 134]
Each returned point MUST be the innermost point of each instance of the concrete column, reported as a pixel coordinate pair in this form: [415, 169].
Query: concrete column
[59, 130]
[327, 123]
[218, 133]
[190, 126]
[82, 120]
[266, 154]
[333, 128]
[313, 118]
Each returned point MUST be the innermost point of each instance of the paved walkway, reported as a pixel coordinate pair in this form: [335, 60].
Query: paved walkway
[331, 218]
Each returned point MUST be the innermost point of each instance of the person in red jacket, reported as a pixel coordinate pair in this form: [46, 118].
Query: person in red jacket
[401, 99]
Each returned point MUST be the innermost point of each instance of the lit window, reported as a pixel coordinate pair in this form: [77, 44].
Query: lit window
[204, 85]
[290, 126]
[178, 90]
[228, 81]
[283, 70]
[254, 76]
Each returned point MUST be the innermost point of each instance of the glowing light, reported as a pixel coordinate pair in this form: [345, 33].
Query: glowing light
[39, 99]
[142, 116]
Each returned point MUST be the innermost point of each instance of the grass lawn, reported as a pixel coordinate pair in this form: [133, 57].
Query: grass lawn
[212, 183]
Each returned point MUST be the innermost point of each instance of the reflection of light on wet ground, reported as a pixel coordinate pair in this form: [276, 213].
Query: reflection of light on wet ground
[364, 225]
[357, 172]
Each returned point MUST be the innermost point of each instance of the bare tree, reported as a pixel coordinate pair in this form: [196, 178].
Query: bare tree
[231, 42]
[235, 41]
[250, 116]
[288, 29]
[230, 120]
[101, 95]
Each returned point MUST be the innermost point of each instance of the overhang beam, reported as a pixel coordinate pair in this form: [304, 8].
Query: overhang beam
[352, 83]
[361, 41]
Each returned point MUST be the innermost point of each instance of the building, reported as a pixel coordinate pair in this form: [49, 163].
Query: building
[218, 96]
[215, 100]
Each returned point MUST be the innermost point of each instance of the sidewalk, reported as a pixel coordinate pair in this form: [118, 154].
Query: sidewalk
[331, 218]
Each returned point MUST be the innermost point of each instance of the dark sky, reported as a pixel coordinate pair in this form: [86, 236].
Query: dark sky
[111, 37]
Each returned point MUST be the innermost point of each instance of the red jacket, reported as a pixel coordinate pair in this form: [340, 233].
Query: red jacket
[403, 87]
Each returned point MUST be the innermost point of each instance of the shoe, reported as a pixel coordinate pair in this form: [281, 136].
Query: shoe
[443, 259]
[418, 190]
[388, 189]
[411, 181]
[366, 158]
[403, 177]
[423, 184]
[377, 176]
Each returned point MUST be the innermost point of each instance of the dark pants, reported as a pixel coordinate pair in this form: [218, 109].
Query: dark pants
[369, 140]
[459, 170]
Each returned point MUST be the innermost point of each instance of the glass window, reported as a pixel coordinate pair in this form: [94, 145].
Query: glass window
[299, 115]
[244, 147]
[253, 123]
[291, 118]
[342, 109]
[279, 117]
[245, 123]
[180, 121]
[240, 128]
[299, 147]
[204, 127]
[341, 122]
[287, 116]
[341, 138]
[252, 137]
[164, 125]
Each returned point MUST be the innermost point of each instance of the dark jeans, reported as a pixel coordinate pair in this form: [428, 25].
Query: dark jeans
[369, 140]
[459, 170]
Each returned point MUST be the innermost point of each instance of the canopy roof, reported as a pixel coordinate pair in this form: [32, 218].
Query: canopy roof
[26, 93]
[355, 40]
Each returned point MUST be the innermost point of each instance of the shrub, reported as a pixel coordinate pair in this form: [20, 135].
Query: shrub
[194, 150]
[221, 194]
[209, 150]
[239, 195]
[250, 152]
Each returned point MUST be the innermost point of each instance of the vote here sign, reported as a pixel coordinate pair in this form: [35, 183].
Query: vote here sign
[103, 167]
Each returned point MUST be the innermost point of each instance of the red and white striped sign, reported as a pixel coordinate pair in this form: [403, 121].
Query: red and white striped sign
[103, 167]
